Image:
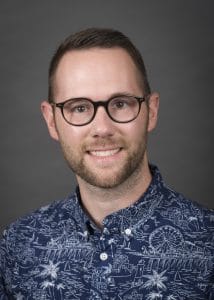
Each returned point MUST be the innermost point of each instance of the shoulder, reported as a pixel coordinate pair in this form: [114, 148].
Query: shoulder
[174, 202]
[180, 201]
[186, 212]
[40, 222]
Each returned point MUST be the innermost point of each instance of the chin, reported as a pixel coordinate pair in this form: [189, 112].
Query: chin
[105, 183]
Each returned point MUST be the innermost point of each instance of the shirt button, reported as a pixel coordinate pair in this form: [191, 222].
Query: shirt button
[105, 230]
[128, 231]
[103, 256]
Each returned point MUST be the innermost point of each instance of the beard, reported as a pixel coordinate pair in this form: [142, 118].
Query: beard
[102, 177]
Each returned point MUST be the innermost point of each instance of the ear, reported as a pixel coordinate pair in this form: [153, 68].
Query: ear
[48, 114]
[153, 104]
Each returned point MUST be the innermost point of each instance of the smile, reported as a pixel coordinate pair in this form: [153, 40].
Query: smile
[104, 153]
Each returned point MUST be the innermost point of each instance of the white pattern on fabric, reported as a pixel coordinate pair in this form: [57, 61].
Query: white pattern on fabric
[162, 247]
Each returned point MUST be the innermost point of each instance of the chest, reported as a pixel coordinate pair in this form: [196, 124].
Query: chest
[161, 263]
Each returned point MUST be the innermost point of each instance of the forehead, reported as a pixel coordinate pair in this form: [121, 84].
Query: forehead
[93, 69]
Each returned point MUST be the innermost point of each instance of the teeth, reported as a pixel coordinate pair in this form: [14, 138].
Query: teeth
[105, 153]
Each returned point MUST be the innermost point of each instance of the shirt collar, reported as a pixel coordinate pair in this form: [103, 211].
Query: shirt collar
[128, 217]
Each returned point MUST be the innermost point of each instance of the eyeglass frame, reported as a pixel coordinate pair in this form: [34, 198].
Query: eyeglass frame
[97, 104]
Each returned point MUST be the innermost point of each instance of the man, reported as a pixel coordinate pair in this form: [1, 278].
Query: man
[123, 234]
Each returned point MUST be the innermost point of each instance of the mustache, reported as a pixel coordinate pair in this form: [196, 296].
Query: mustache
[104, 143]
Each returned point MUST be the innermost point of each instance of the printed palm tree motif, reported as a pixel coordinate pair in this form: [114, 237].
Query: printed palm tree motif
[111, 242]
[156, 280]
[171, 297]
[46, 284]
[60, 287]
[154, 296]
[50, 270]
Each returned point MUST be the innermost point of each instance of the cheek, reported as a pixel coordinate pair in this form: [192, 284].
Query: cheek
[137, 129]
[70, 135]
[133, 137]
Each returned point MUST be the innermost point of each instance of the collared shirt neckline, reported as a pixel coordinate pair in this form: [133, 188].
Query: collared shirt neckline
[129, 217]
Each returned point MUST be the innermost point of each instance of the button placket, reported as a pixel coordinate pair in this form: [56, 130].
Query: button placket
[127, 235]
[104, 238]
[106, 241]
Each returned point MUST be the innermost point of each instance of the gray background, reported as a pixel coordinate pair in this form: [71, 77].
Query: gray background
[177, 42]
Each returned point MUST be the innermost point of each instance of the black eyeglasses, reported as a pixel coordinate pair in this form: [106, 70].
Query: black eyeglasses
[81, 111]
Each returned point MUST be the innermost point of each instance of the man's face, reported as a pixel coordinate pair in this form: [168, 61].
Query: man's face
[103, 153]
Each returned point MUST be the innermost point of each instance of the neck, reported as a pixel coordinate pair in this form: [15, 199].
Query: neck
[101, 202]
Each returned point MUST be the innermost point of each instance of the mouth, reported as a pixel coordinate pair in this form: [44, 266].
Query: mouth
[104, 153]
[104, 157]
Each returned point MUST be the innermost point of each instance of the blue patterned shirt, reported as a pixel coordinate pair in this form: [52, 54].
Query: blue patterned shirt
[161, 247]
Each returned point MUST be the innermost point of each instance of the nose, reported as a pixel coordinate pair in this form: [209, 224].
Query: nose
[102, 125]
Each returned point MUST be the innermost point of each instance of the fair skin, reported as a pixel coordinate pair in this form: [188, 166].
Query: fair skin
[109, 159]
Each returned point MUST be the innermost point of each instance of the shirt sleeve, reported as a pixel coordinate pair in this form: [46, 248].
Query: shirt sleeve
[3, 293]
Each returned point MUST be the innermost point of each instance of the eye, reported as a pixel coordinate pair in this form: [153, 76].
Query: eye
[78, 106]
[124, 102]
[79, 109]
[119, 103]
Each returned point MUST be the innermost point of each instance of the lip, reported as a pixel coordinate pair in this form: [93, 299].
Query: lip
[104, 157]
[102, 153]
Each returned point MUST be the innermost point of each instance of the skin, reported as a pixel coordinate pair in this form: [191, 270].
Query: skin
[109, 159]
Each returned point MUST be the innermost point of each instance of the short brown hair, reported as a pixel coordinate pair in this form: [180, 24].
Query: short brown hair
[97, 37]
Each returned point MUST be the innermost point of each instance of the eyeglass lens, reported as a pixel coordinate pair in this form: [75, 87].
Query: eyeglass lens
[82, 111]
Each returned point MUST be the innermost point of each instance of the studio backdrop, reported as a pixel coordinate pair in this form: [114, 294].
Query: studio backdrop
[176, 39]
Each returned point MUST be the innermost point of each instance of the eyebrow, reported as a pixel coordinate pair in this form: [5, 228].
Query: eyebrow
[116, 94]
